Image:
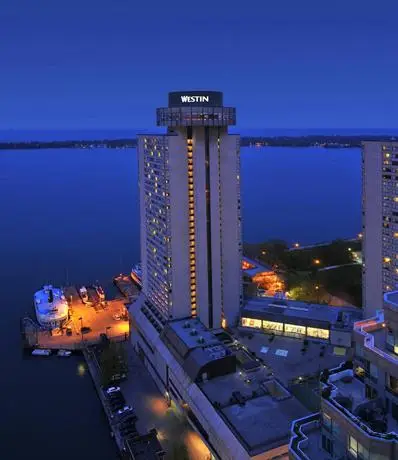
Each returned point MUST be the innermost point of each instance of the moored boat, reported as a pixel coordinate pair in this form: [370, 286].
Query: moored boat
[41, 352]
[64, 353]
[100, 291]
[51, 307]
[136, 274]
[84, 294]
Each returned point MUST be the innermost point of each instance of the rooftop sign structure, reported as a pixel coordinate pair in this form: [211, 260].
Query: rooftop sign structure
[198, 98]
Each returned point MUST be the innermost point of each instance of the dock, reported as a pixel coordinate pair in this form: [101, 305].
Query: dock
[127, 287]
[87, 325]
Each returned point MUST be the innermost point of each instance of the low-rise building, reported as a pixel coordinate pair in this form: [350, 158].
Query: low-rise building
[260, 278]
[359, 401]
[299, 319]
[229, 396]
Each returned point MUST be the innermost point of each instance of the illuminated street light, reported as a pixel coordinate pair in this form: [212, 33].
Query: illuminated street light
[263, 253]
[360, 235]
[317, 261]
[296, 245]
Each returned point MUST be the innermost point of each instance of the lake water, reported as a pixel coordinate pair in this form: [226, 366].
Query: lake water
[72, 216]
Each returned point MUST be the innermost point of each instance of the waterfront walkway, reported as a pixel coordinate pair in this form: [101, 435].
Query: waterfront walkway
[152, 410]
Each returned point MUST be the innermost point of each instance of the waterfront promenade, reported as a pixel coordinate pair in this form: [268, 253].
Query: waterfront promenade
[152, 410]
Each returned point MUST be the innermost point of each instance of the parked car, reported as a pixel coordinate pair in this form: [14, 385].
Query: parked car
[112, 390]
[125, 409]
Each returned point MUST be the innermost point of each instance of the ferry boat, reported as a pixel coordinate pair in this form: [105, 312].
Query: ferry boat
[99, 290]
[84, 294]
[51, 307]
[136, 274]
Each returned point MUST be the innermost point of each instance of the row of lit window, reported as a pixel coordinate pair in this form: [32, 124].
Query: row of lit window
[191, 213]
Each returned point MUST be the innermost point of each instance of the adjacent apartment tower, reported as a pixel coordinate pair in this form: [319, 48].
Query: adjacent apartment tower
[380, 222]
[190, 210]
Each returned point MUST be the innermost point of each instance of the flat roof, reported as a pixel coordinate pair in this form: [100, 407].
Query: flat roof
[257, 267]
[284, 357]
[289, 310]
[191, 330]
[263, 421]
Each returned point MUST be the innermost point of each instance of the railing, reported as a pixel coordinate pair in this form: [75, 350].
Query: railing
[366, 326]
[354, 420]
[300, 439]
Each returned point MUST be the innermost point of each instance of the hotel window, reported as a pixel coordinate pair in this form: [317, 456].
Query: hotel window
[250, 322]
[357, 450]
[272, 326]
[326, 421]
[294, 329]
[319, 333]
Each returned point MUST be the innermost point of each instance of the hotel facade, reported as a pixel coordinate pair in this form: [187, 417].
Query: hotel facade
[190, 217]
[380, 222]
[191, 256]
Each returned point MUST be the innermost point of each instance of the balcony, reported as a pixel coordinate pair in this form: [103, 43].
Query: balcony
[303, 444]
[372, 331]
[346, 394]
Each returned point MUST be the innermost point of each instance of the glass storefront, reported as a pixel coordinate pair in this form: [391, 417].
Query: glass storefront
[318, 333]
[291, 330]
[295, 330]
[251, 322]
[272, 326]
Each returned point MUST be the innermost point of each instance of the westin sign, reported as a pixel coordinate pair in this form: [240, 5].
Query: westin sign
[200, 98]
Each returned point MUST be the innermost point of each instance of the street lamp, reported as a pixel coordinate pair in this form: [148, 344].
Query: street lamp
[317, 261]
[81, 326]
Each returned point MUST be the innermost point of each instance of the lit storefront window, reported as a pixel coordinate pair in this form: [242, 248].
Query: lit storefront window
[319, 333]
[294, 329]
[251, 322]
[273, 326]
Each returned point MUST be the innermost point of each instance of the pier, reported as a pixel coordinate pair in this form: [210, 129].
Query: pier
[87, 325]
[129, 289]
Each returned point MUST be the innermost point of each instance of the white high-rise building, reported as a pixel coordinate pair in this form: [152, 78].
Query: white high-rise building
[190, 211]
[380, 222]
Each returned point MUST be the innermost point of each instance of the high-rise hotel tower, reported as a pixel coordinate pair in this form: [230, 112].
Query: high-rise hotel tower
[380, 222]
[190, 210]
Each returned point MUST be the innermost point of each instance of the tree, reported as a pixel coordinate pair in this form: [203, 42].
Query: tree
[113, 362]
[178, 451]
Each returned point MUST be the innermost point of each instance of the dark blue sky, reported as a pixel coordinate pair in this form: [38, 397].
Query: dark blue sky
[83, 64]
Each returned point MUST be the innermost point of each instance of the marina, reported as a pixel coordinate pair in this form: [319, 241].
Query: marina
[86, 322]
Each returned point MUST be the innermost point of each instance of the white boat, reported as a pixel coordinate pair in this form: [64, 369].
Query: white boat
[41, 352]
[136, 274]
[51, 307]
[99, 290]
[84, 294]
[64, 353]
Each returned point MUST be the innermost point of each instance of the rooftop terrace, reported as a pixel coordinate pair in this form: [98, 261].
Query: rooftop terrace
[285, 357]
[349, 397]
[255, 406]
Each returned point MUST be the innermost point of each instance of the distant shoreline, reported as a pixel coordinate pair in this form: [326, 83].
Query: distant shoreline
[324, 141]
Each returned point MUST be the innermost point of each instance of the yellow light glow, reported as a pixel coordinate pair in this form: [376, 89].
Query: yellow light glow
[317, 261]
[387, 260]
